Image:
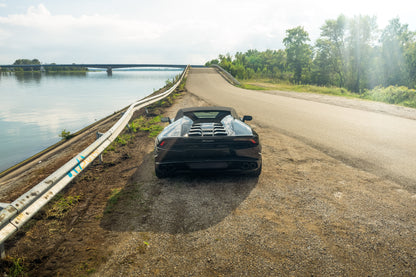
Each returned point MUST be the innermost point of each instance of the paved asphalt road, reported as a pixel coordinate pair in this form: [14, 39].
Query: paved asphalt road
[376, 142]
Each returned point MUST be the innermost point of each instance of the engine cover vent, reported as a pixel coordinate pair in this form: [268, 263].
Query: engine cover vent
[207, 129]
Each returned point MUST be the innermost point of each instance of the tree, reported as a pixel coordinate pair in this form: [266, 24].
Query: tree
[361, 36]
[323, 64]
[26, 61]
[410, 54]
[298, 51]
[394, 39]
[330, 49]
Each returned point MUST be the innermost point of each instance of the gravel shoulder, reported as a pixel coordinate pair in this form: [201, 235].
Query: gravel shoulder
[307, 214]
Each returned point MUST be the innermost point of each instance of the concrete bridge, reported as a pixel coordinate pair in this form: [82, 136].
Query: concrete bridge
[108, 67]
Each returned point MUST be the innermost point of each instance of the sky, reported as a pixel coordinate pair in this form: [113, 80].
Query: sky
[166, 31]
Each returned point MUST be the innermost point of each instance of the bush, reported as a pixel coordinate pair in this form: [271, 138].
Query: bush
[393, 95]
[65, 135]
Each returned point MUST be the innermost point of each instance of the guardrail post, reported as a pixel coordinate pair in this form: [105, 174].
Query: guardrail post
[98, 134]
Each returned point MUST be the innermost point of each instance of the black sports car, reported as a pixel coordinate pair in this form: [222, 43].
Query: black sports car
[207, 139]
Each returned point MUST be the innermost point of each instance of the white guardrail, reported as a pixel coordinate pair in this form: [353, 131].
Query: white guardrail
[14, 215]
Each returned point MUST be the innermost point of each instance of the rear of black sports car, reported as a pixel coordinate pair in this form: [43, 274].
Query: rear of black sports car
[207, 139]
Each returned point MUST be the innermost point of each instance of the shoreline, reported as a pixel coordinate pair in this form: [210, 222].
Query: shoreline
[49, 150]
[56, 155]
[31, 148]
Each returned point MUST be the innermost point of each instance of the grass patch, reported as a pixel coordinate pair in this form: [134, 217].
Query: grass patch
[123, 139]
[147, 125]
[151, 125]
[142, 123]
[62, 205]
[402, 96]
[110, 148]
[13, 267]
[265, 84]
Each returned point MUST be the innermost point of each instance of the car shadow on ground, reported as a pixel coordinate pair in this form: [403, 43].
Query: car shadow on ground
[180, 204]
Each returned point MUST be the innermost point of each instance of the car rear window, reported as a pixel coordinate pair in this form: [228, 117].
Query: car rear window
[202, 115]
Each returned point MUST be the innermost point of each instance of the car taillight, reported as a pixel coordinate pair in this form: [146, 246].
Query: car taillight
[253, 141]
[162, 143]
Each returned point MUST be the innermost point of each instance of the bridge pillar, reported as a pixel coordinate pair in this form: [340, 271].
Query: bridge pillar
[109, 71]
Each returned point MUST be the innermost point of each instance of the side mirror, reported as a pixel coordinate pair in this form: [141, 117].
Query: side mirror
[247, 118]
[166, 119]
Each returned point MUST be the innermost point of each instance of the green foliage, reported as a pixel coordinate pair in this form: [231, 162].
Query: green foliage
[12, 266]
[410, 58]
[26, 62]
[393, 95]
[254, 64]
[351, 53]
[142, 123]
[37, 67]
[398, 95]
[299, 53]
[17, 268]
[329, 63]
[65, 135]
[148, 125]
[123, 139]
[265, 85]
[181, 87]
[62, 205]
[111, 147]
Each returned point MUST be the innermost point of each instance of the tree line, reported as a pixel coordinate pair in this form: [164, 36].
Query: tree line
[350, 53]
[38, 67]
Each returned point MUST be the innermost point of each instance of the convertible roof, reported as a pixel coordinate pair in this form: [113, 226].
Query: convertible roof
[181, 112]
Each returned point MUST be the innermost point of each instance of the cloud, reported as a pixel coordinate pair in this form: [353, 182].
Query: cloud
[170, 35]
[65, 38]
[184, 31]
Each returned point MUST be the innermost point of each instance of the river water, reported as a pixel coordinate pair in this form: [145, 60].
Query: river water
[35, 108]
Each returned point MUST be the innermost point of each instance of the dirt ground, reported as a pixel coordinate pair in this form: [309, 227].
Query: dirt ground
[307, 214]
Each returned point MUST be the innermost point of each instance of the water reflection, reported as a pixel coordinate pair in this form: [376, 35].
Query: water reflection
[35, 77]
[28, 77]
[36, 107]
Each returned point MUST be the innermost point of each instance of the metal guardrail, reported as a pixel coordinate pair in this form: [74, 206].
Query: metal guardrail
[14, 215]
[226, 75]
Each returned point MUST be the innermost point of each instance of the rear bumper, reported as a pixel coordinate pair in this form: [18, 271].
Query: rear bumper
[215, 157]
[227, 165]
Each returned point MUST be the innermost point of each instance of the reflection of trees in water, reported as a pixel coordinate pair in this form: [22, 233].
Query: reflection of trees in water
[35, 77]
[28, 77]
